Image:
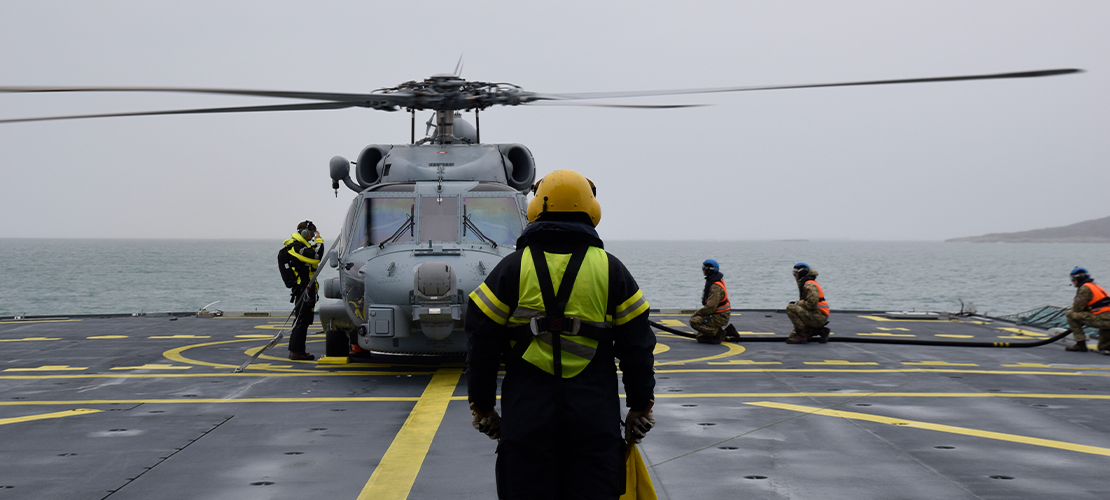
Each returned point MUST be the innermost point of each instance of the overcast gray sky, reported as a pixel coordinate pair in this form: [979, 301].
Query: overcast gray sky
[904, 162]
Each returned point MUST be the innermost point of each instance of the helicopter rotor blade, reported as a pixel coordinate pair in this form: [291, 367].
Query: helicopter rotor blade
[389, 99]
[714, 90]
[198, 111]
[637, 106]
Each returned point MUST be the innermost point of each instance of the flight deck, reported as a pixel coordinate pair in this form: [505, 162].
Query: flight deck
[122, 407]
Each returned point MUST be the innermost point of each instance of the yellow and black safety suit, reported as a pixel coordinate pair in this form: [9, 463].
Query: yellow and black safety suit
[306, 259]
[560, 435]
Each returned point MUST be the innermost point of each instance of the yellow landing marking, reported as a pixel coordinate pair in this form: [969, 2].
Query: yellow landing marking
[1028, 365]
[839, 362]
[1018, 337]
[99, 337]
[396, 472]
[884, 334]
[756, 333]
[880, 318]
[1013, 438]
[279, 326]
[671, 322]
[900, 329]
[744, 362]
[1072, 371]
[954, 336]
[22, 321]
[660, 348]
[44, 416]
[1019, 331]
[30, 339]
[355, 399]
[333, 360]
[256, 336]
[179, 337]
[936, 363]
[48, 368]
[733, 349]
[152, 367]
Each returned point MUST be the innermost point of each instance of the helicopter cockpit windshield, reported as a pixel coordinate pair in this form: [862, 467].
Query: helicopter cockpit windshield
[478, 217]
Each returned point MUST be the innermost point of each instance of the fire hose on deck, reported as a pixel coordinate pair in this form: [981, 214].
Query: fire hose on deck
[864, 340]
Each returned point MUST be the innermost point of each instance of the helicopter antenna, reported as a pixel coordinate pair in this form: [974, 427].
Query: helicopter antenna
[477, 127]
[413, 127]
[459, 66]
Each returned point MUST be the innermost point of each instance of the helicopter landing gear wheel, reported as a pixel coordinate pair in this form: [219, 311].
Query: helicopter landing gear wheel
[337, 343]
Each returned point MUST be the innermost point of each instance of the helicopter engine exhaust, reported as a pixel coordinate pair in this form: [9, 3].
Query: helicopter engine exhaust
[520, 168]
[366, 167]
[434, 290]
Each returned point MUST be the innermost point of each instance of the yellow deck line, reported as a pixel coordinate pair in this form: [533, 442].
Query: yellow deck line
[396, 472]
[1000, 436]
[704, 395]
[733, 349]
[57, 414]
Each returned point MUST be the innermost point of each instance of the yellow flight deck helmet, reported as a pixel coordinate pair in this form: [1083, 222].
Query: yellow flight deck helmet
[564, 191]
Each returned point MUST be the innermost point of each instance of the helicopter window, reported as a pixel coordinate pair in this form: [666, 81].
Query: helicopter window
[439, 218]
[498, 219]
[388, 216]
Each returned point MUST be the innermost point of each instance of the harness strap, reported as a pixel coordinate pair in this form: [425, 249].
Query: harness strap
[555, 304]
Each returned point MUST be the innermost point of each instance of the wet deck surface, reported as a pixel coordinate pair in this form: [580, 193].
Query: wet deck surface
[147, 407]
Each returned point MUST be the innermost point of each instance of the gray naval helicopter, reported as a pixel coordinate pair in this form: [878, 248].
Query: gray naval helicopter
[431, 218]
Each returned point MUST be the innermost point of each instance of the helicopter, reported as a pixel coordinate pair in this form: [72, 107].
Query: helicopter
[431, 218]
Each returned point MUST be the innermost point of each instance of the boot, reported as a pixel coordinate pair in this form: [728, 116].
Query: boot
[796, 338]
[719, 336]
[731, 334]
[301, 356]
[1077, 347]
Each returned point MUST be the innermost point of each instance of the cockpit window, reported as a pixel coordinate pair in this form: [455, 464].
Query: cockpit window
[439, 218]
[389, 219]
[498, 219]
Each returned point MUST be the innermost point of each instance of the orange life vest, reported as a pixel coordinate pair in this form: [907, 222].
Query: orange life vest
[723, 305]
[822, 305]
[1100, 301]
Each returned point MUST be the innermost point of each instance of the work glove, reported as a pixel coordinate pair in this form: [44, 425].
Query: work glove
[638, 423]
[488, 423]
[294, 293]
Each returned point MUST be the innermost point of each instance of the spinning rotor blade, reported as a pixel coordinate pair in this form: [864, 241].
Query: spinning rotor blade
[640, 106]
[315, 96]
[713, 90]
[199, 111]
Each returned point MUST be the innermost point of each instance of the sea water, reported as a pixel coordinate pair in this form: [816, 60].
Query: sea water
[42, 277]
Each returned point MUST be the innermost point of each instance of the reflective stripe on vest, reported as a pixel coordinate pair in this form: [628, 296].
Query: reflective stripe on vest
[1100, 301]
[724, 305]
[588, 300]
[822, 305]
[313, 264]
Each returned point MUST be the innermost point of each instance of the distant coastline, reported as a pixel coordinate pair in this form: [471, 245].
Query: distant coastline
[1088, 231]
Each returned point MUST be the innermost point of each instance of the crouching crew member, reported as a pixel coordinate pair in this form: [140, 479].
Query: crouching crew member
[298, 261]
[715, 311]
[1090, 308]
[811, 313]
[559, 311]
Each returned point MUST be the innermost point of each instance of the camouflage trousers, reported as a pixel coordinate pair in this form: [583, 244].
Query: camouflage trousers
[803, 318]
[1077, 320]
[707, 326]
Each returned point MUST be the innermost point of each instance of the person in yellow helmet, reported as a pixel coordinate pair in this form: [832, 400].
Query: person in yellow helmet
[559, 311]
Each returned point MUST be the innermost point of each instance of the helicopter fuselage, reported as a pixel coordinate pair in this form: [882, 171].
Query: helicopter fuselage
[411, 252]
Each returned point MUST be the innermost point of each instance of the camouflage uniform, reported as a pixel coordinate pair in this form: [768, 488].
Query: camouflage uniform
[804, 314]
[706, 322]
[1078, 317]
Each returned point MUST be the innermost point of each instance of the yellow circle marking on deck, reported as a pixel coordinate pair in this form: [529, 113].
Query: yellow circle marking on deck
[733, 349]
[100, 337]
[31, 339]
[280, 326]
[660, 348]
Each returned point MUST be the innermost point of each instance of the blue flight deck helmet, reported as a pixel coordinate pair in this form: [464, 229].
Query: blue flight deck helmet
[801, 268]
[710, 265]
[1080, 274]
